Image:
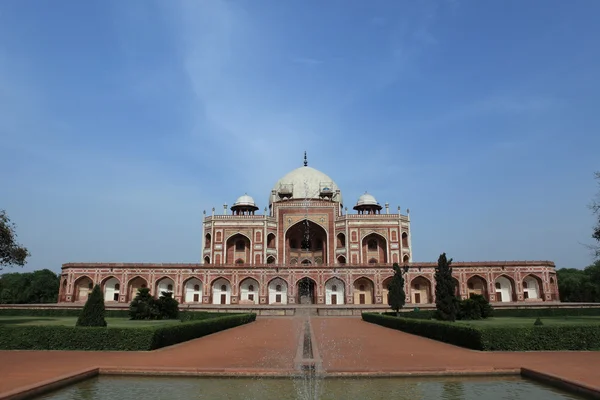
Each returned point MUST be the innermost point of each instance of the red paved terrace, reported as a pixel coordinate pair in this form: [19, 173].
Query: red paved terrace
[268, 346]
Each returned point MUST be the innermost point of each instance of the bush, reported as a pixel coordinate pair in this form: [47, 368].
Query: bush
[538, 322]
[510, 338]
[168, 307]
[93, 310]
[143, 306]
[56, 312]
[475, 307]
[48, 337]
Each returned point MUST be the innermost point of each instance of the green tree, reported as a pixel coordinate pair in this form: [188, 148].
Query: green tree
[595, 206]
[396, 295]
[144, 306]
[93, 312]
[579, 285]
[37, 287]
[168, 307]
[11, 253]
[446, 303]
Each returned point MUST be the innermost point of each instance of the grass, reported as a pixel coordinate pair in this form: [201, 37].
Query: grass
[526, 321]
[70, 321]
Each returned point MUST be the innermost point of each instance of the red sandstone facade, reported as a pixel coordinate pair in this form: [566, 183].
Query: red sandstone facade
[306, 248]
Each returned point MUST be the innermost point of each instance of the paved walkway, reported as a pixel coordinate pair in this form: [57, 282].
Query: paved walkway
[347, 345]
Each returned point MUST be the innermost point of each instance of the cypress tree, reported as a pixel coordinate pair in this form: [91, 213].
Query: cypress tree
[93, 311]
[396, 295]
[446, 302]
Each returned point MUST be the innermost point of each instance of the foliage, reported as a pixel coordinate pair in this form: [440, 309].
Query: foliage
[538, 322]
[576, 285]
[475, 307]
[595, 207]
[37, 287]
[144, 306]
[168, 307]
[93, 311]
[446, 303]
[396, 295]
[39, 337]
[497, 338]
[514, 312]
[11, 253]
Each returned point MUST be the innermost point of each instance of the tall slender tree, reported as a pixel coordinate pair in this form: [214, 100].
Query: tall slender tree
[93, 310]
[396, 295]
[446, 302]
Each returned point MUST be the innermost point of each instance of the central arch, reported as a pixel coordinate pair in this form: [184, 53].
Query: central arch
[249, 290]
[420, 290]
[306, 291]
[363, 291]
[306, 240]
[374, 249]
[505, 289]
[193, 291]
[238, 249]
[277, 291]
[335, 291]
[112, 289]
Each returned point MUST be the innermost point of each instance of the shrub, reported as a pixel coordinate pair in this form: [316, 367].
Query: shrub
[505, 338]
[475, 307]
[538, 322]
[56, 312]
[143, 306]
[93, 310]
[168, 307]
[49, 337]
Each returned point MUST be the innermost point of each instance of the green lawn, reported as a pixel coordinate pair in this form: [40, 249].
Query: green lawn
[513, 321]
[70, 321]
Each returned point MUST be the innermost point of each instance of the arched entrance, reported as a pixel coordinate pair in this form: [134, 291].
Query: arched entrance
[238, 250]
[363, 291]
[112, 289]
[306, 240]
[420, 290]
[133, 286]
[277, 291]
[385, 290]
[221, 291]
[505, 289]
[335, 292]
[82, 288]
[164, 285]
[374, 247]
[532, 288]
[477, 285]
[249, 291]
[306, 291]
[193, 291]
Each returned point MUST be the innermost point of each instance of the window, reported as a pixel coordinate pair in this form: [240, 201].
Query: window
[117, 286]
[334, 288]
[361, 288]
[223, 288]
[417, 286]
[470, 285]
[498, 285]
[240, 245]
[524, 285]
[170, 288]
[239, 261]
[278, 288]
[372, 244]
[196, 288]
[404, 239]
[251, 297]
[90, 285]
[293, 243]
[251, 288]
[373, 261]
[207, 241]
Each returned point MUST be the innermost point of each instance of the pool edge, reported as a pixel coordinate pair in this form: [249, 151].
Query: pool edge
[50, 385]
[570, 386]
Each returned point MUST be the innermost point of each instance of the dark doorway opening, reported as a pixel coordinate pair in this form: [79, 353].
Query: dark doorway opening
[306, 291]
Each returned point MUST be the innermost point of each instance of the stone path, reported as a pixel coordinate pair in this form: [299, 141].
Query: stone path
[347, 345]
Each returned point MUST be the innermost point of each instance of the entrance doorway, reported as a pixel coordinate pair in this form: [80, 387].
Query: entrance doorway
[418, 298]
[334, 299]
[306, 291]
[361, 298]
[223, 298]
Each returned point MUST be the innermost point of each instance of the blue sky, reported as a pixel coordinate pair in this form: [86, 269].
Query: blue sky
[121, 121]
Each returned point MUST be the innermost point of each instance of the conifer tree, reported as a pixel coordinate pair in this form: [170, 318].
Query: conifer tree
[396, 295]
[446, 302]
[93, 311]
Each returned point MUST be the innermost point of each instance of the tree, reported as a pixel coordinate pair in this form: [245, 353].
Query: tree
[144, 306]
[168, 307]
[446, 302]
[396, 295]
[93, 312]
[579, 285]
[11, 253]
[595, 207]
[37, 287]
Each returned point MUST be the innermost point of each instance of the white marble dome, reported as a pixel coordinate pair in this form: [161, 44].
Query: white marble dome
[366, 200]
[307, 182]
[245, 200]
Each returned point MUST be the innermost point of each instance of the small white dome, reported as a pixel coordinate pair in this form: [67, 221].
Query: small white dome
[245, 200]
[367, 200]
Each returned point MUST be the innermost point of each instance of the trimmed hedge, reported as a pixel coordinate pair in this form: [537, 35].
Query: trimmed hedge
[47, 337]
[513, 338]
[56, 312]
[514, 313]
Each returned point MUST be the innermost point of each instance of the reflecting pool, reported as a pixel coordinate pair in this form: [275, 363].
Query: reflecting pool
[183, 388]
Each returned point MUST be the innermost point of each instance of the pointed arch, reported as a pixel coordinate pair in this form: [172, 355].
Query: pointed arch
[340, 240]
[505, 289]
[192, 290]
[298, 247]
[82, 287]
[206, 260]
[420, 290]
[271, 260]
[238, 247]
[278, 291]
[221, 291]
[207, 241]
[133, 285]
[476, 284]
[374, 247]
[456, 287]
[164, 284]
[335, 291]
[271, 241]
[385, 282]
[249, 291]
[341, 260]
[307, 290]
[533, 287]
[364, 290]
[111, 286]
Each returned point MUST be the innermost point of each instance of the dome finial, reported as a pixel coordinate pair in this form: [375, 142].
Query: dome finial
[305, 160]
